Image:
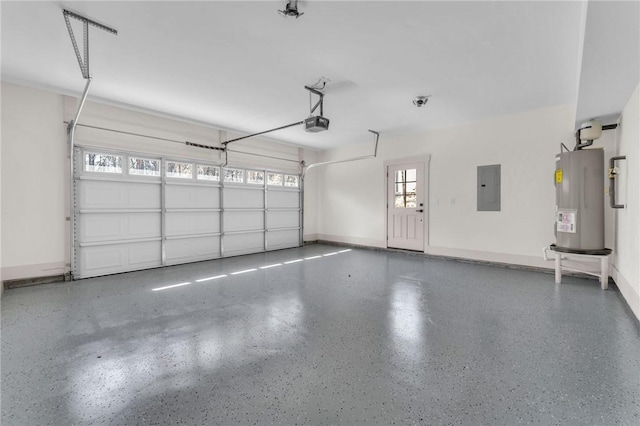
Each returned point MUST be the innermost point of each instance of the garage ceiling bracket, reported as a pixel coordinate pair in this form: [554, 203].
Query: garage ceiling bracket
[320, 100]
[83, 61]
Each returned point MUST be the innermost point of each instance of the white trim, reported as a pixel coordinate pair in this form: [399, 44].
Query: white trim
[630, 294]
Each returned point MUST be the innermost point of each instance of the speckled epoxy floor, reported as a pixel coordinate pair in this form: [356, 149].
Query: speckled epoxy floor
[355, 337]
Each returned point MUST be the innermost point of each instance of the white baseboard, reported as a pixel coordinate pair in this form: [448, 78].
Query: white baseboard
[352, 240]
[486, 256]
[629, 293]
[310, 237]
[32, 271]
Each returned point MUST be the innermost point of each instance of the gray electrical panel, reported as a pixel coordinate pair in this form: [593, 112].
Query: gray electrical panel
[489, 188]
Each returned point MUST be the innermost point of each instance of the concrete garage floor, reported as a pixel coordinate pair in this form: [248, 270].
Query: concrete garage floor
[343, 337]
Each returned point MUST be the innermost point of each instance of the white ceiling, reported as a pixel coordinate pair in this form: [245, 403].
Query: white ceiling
[610, 60]
[240, 65]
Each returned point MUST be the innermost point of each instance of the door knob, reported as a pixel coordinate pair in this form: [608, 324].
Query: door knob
[420, 211]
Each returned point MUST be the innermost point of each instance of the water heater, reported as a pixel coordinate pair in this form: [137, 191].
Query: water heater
[579, 181]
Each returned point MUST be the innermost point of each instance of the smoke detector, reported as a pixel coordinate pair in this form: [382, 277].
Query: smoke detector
[290, 9]
[420, 101]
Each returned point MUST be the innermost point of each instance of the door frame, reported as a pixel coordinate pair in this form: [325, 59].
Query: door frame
[426, 160]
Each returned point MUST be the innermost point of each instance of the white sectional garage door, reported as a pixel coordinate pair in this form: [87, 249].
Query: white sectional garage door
[138, 211]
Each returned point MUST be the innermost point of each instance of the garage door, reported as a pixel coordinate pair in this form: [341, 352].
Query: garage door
[137, 211]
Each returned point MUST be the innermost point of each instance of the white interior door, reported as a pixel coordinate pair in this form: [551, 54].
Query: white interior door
[405, 206]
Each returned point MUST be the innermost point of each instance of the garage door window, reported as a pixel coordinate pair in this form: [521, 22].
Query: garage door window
[291, 181]
[102, 163]
[144, 167]
[208, 173]
[179, 170]
[275, 179]
[255, 177]
[234, 175]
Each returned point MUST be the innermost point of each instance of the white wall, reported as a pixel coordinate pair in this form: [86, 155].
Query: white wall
[35, 176]
[1, 286]
[310, 219]
[626, 267]
[352, 195]
[33, 183]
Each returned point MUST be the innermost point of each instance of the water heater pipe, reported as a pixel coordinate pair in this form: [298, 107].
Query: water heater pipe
[612, 181]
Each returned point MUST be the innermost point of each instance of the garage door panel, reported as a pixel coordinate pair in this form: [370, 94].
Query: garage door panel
[189, 249]
[243, 221]
[283, 219]
[143, 195]
[191, 223]
[185, 196]
[237, 244]
[95, 194]
[125, 221]
[283, 239]
[118, 226]
[243, 198]
[283, 199]
[113, 258]
[145, 253]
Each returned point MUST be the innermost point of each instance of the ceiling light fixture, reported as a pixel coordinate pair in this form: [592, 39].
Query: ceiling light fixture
[421, 101]
[290, 9]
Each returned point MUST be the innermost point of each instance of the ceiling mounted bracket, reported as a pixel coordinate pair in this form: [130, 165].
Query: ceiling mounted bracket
[318, 104]
[83, 60]
[291, 9]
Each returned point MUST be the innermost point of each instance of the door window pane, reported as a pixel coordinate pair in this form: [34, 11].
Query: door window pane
[103, 163]
[234, 175]
[144, 167]
[405, 195]
[208, 173]
[255, 177]
[176, 169]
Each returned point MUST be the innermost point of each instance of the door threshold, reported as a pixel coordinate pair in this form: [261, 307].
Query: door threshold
[407, 250]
